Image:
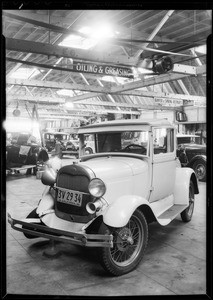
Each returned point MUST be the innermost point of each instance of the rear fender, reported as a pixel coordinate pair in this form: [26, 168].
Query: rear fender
[182, 181]
[197, 157]
[46, 203]
[119, 213]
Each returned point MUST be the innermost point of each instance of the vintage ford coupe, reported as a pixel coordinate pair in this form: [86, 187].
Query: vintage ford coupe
[107, 199]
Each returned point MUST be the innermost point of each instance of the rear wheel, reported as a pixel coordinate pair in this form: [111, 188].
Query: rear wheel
[186, 215]
[200, 169]
[129, 244]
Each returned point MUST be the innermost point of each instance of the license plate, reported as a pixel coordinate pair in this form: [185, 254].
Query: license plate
[69, 197]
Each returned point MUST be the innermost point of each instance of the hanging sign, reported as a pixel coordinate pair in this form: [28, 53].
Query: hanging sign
[168, 102]
[101, 69]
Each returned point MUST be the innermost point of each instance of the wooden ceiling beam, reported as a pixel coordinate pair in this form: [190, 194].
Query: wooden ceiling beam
[105, 104]
[135, 106]
[59, 51]
[36, 99]
[96, 91]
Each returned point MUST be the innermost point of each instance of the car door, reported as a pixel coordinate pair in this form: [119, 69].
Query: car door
[164, 163]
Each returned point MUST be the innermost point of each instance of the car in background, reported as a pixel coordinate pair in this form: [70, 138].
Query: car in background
[69, 146]
[50, 139]
[192, 154]
[23, 149]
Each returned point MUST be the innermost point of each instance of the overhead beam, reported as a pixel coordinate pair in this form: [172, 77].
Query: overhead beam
[135, 106]
[158, 27]
[65, 31]
[48, 26]
[94, 103]
[34, 99]
[104, 111]
[135, 85]
[96, 91]
[57, 85]
[177, 68]
[60, 51]
[67, 20]
[149, 81]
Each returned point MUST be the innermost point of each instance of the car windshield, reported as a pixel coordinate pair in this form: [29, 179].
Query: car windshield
[61, 137]
[128, 141]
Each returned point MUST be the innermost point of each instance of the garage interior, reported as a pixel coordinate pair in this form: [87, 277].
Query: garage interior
[69, 68]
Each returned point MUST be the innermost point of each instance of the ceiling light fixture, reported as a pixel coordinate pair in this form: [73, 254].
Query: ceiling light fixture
[95, 34]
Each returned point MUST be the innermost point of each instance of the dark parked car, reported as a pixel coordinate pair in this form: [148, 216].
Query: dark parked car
[50, 139]
[192, 154]
[23, 149]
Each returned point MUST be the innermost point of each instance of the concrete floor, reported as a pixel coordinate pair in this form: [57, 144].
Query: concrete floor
[174, 263]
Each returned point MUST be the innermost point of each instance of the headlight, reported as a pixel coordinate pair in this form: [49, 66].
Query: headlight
[97, 187]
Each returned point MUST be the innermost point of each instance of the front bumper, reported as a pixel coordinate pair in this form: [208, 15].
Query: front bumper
[76, 238]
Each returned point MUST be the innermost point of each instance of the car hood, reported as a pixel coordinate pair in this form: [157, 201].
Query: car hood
[109, 167]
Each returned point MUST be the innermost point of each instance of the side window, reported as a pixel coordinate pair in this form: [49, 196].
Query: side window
[163, 140]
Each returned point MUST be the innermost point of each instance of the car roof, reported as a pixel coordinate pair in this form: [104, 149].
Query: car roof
[131, 124]
[56, 132]
[186, 135]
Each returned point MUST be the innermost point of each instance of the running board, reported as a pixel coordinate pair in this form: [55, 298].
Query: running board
[167, 216]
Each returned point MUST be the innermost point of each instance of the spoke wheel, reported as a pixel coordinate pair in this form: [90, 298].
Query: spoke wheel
[186, 215]
[129, 244]
[200, 170]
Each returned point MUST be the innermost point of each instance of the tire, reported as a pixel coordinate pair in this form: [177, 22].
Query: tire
[33, 214]
[200, 169]
[129, 244]
[186, 215]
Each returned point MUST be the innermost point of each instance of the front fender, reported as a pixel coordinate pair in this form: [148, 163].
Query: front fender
[182, 181]
[46, 203]
[119, 212]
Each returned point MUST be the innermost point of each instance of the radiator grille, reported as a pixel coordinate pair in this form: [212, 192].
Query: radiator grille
[76, 182]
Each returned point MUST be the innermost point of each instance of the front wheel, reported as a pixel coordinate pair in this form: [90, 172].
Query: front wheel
[129, 244]
[186, 215]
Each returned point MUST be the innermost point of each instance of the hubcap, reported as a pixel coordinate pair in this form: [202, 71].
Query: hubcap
[127, 242]
[200, 171]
